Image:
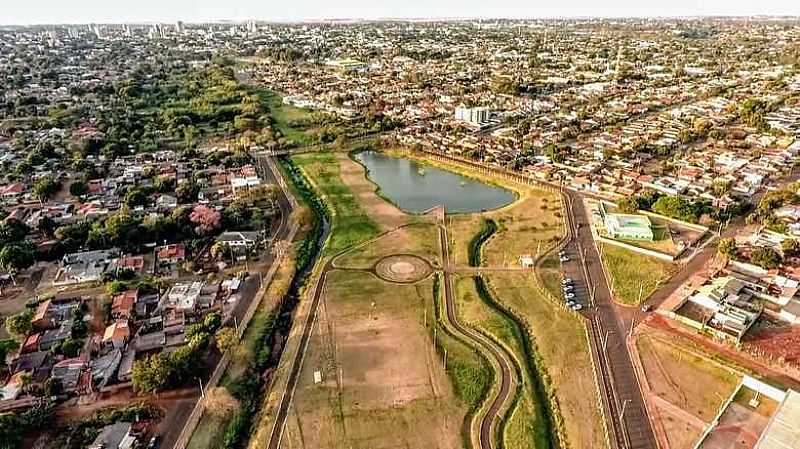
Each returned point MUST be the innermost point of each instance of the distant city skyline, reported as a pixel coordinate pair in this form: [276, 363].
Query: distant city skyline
[32, 12]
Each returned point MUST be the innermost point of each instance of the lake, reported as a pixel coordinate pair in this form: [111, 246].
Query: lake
[416, 187]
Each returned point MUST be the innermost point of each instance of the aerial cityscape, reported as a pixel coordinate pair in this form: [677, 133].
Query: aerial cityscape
[570, 232]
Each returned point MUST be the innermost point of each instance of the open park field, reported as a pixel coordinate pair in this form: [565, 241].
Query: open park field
[560, 342]
[375, 375]
[530, 224]
[350, 219]
[380, 382]
[685, 388]
[420, 239]
[634, 276]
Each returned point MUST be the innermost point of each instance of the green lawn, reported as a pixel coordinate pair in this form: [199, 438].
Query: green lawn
[351, 224]
[289, 120]
[634, 276]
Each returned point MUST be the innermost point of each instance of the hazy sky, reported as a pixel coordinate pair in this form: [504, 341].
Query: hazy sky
[103, 11]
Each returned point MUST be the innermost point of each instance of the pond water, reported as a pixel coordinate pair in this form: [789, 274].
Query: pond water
[416, 187]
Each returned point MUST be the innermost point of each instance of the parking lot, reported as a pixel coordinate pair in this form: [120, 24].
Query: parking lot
[571, 269]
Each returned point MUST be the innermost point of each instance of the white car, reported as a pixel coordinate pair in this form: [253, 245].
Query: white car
[576, 306]
[566, 281]
[569, 295]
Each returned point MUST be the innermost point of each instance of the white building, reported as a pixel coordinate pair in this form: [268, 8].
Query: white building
[473, 116]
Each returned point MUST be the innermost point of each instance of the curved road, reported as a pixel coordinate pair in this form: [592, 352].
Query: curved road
[500, 356]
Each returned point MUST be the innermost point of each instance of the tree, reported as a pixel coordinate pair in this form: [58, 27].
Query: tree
[628, 205]
[766, 258]
[727, 248]
[220, 250]
[70, 348]
[151, 374]
[45, 188]
[17, 256]
[7, 346]
[78, 189]
[11, 430]
[135, 197]
[187, 192]
[20, 325]
[12, 231]
[47, 226]
[790, 247]
[226, 339]
[116, 287]
[206, 219]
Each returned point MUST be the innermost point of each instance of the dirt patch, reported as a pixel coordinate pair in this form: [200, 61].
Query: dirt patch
[420, 239]
[686, 380]
[738, 428]
[775, 341]
[371, 377]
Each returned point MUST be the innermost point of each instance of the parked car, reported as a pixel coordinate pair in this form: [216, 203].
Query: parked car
[564, 258]
[576, 307]
[569, 288]
[569, 295]
[646, 308]
[566, 281]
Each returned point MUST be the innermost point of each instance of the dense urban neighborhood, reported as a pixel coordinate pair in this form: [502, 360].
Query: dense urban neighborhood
[564, 233]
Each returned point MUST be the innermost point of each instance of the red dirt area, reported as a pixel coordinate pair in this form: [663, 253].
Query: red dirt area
[777, 342]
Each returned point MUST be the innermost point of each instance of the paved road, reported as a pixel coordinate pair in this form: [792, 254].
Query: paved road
[492, 417]
[626, 415]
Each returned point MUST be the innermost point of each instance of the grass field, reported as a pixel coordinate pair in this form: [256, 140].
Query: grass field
[382, 382]
[527, 427]
[530, 224]
[634, 276]
[560, 342]
[689, 381]
[350, 221]
[550, 272]
[287, 119]
[421, 239]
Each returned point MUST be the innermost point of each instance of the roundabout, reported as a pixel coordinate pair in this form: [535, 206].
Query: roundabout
[403, 269]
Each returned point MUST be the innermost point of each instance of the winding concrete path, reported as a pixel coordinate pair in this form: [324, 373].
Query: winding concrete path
[499, 357]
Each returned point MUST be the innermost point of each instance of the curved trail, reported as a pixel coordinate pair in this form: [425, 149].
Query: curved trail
[492, 417]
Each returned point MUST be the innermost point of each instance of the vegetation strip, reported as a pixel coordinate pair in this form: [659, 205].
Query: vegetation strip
[488, 228]
[251, 388]
[470, 386]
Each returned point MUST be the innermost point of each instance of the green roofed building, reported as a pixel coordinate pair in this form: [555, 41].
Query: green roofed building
[629, 227]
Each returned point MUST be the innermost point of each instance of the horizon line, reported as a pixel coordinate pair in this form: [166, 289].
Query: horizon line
[413, 19]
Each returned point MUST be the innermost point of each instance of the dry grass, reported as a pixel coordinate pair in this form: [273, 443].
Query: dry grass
[382, 383]
[531, 224]
[526, 427]
[419, 239]
[689, 381]
[560, 340]
[634, 276]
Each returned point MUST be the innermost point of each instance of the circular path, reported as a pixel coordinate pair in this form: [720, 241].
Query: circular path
[403, 268]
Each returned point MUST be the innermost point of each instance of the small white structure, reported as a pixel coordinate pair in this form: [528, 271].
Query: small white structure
[526, 261]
